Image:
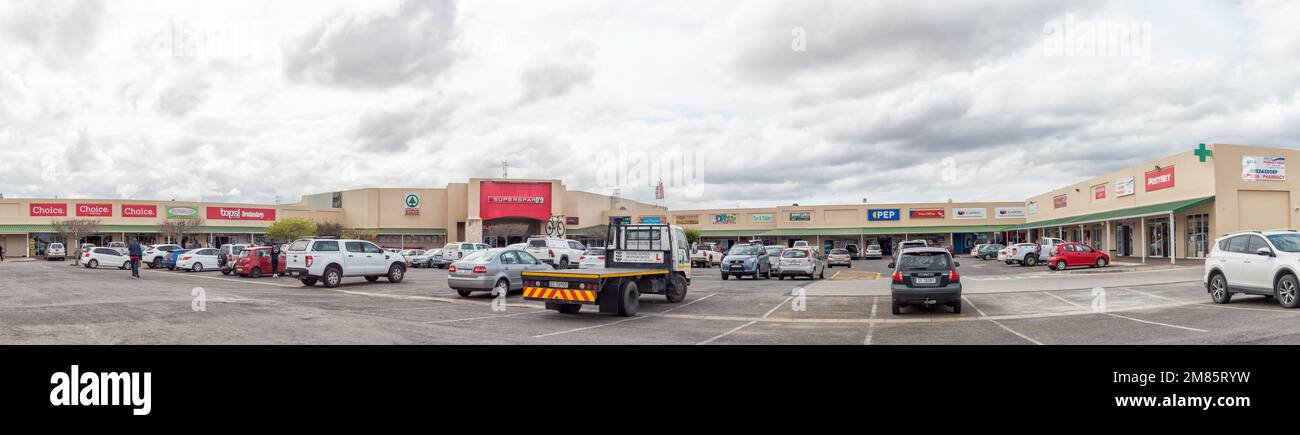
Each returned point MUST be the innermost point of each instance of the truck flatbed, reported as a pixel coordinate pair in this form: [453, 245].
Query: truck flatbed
[597, 273]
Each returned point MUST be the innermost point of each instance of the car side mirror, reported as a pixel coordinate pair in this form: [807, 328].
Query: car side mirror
[956, 264]
[1264, 252]
[890, 265]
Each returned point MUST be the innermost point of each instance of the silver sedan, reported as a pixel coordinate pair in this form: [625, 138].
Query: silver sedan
[496, 270]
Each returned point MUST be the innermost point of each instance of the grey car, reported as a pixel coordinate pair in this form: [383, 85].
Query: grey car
[746, 259]
[496, 270]
[925, 276]
[774, 257]
[802, 262]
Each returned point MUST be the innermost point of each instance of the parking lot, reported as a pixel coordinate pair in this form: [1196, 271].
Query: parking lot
[56, 303]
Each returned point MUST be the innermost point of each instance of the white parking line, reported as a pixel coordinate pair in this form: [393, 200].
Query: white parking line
[468, 319]
[1156, 323]
[1000, 325]
[1065, 300]
[1131, 318]
[733, 330]
[871, 327]
[1149, 294]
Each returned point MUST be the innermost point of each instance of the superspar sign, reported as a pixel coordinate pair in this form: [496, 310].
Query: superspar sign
[1162, 178]
[241, 214]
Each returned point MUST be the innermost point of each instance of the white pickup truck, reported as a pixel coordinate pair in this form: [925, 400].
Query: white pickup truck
[330, 260]
[706, 255]
[1040, 253]
[557, 252]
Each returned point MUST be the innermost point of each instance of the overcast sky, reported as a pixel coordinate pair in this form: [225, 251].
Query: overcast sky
[760, 103]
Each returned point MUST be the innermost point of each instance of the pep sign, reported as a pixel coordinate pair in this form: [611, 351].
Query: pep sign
[883, 214]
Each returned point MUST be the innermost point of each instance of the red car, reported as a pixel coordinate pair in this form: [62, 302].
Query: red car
[1077, 254]
[253, 262]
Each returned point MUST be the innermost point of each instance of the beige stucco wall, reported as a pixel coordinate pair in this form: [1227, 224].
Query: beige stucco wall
[1231, 188]
[1192, 179]
[849, 216]
[16, 212]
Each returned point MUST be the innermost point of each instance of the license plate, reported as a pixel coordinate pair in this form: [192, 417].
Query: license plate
[927, 280]
[559, 284]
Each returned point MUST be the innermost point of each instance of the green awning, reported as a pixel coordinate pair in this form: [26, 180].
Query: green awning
[854, 231]
[1127, 213]
[812, 232]
[403, 231]
[935, 230]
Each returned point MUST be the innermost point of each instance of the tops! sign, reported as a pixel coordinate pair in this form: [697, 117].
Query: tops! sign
[49, 209]
[241, 214]
[94, 210]
[1160, 179]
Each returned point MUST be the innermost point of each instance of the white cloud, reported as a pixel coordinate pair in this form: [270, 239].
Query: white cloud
[277, 99]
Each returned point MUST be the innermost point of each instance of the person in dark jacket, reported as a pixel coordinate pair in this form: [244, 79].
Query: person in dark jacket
[135, 251]
[275, 260]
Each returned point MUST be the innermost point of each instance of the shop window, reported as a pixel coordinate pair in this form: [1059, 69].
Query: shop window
[1198, 235]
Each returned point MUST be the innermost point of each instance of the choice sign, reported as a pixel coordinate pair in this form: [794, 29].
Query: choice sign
[1162, 178]
[95, 210]
[140, 211]
[49, 209]
[241, 214]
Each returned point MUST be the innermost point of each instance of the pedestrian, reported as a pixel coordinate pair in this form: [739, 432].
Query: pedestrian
[275, 260]
[2, 251]
[134, 250]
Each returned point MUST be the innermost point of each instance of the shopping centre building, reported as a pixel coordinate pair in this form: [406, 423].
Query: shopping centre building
[1167, 208]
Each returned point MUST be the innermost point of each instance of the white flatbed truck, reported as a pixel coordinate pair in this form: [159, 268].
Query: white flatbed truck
[644, 259]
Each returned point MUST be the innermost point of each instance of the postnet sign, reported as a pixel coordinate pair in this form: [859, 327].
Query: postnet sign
[1162, 178]
[501, 199]
[241, 214]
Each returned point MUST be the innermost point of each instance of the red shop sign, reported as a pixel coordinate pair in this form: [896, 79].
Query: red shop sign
[1099, 192]
[140, 211]
[928, 213]
[1162, 178]
[241, 214]
[48, 209]
[499, 199]
[1060, 201]
[95, 210]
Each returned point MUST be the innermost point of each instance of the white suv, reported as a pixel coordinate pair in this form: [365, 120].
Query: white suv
[330, 260]
[557, 252]
[155, 255]
[1255, 262]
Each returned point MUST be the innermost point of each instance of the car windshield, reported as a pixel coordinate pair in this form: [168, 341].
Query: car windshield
[874, 247]
[595, 251]
[745, 250]
[298, 245]
[1286, 242]
[924, 261]
[839, 251]
[774, 251]
[537, 243]
[481, 256]
[794, 253]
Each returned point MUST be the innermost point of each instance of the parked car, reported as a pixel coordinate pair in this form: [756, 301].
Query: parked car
[56, 251]
[105, 257]
[1045, 250]
[873, 252]
[988, 252]
[854, 252]
[774, 257]
[561, 253]
[1025, 254]
[452, 252]
[155, 255]
[801, 262]
[498, 270]
[1256, 263]
[410, 255]
[1077, 254]
[254, 262]
[839, 257]
[228, 254]
[422, 260]
[706, 255]
[328, 261]
[85, 247]
[172, 257]
[120, 247]
[594, 258]
[908, 244]
[747, 259]
[925, 276]
[198, 260]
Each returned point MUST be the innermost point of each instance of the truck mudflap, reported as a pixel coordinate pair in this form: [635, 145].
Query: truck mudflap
[560, 295]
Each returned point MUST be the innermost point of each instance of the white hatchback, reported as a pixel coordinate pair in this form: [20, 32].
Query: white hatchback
[198, 260]
[1255, 262]
[96, 257]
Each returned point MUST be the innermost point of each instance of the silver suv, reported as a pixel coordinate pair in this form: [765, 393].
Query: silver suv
[330, 260]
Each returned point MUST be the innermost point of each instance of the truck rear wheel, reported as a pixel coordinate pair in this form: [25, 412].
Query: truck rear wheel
[569, 308]
[678, 293]
[629, 299]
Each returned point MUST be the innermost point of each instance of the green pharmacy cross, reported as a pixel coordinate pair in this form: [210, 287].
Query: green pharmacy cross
[1202, 152]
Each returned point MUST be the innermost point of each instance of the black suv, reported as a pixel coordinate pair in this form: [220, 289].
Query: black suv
[925, 276]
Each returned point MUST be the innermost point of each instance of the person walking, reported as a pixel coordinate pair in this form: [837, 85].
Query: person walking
[136, 252]
[275, 260]
[2, 251]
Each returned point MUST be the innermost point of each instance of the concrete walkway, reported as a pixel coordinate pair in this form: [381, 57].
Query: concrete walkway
[1044, 280]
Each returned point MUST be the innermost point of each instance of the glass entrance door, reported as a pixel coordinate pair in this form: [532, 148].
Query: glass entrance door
[1158, 237]
[1123, 240]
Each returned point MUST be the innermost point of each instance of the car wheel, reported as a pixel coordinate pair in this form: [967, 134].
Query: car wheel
[564, 262]
[956, 307]
[1287, 291]
[569, 308]
[157, 263]
[1219, 289]
[309, 282]
[255, 273]
[92, 264]
[679, 283]
[768, 274]
[1101, 262]
[502, 287]
[850, 265]
[780, 277]
[333, 277]
[396, 273]
[464, 293]
[1030, 261]
[225, 271]
[897, 309]
[822, 275]
[629, 299]
[372, 278]
[1060, 265]
[198, 267]
[125, 266]
[725, 276]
